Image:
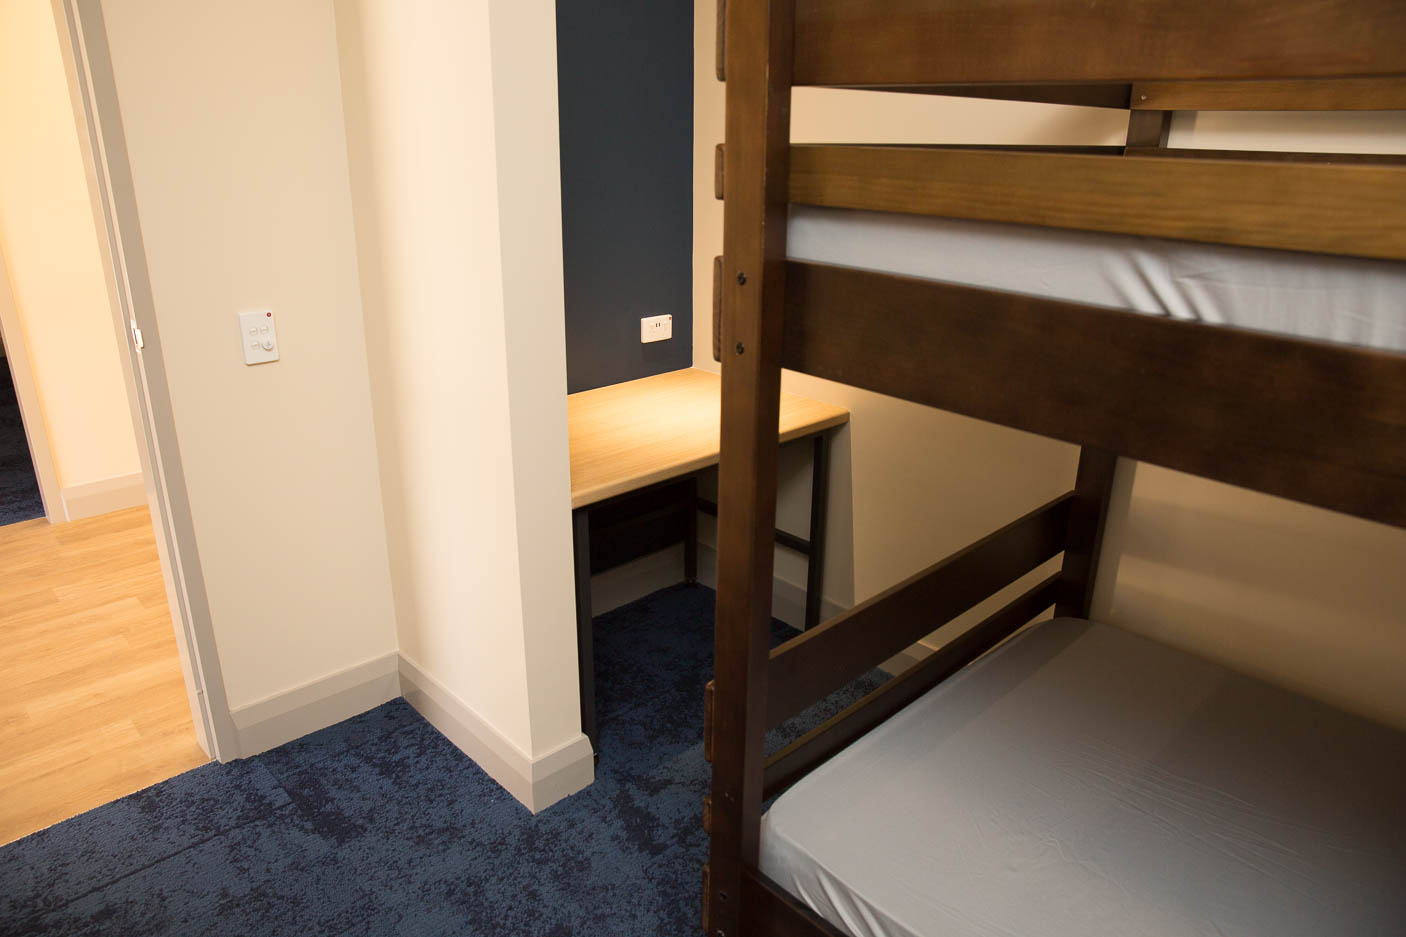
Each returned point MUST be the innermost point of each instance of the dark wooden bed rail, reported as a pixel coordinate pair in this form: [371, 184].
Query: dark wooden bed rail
[825, 658]
[1343, 208]
[1304, 94]
[1320, 423]
[824, 741]
[1185, 395]
[857, 43]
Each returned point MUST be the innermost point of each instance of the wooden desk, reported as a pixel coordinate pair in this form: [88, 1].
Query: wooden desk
[636, 451]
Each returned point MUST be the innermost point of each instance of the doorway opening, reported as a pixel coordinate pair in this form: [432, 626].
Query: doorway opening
[109, 681]
[19, 485]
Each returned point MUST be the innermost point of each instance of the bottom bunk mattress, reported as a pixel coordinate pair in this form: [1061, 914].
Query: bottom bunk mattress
[1082, 780]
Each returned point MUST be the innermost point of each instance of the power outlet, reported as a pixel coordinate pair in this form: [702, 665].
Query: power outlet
[656, 328]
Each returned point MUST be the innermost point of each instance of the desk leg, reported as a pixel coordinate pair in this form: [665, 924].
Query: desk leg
[585, 646]
[819, 503]
[690, 537]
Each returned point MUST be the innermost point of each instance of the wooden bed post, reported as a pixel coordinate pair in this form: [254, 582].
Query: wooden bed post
[1092, 488]
[1094, 483]
[1097, 467]
[1148, 128]
[758, 43]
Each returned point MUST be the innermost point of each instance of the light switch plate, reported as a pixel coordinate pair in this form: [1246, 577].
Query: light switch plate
[656, 328]
[258, 336]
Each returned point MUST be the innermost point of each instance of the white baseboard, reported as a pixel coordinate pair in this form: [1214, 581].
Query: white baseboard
[636, 579]
[788, 600]
[103, 497]
[537, 783]
[315, 705]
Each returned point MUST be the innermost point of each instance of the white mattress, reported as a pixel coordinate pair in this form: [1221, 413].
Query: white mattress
[1085, 781]
[1343, 299]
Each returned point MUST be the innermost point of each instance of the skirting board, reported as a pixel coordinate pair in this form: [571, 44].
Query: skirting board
[636, 579]
[103, 497]
[536, 783]
[315, 705]
[287, 716]
[788, 600]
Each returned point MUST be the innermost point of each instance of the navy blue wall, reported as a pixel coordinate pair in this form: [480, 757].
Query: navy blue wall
[625, 90]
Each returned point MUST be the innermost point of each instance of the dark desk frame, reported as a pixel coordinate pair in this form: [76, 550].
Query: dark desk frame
[812, 547]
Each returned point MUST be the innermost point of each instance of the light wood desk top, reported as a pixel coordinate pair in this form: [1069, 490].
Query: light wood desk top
[627, 436]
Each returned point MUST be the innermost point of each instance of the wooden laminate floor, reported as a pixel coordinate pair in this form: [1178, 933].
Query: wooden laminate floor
[92, 702]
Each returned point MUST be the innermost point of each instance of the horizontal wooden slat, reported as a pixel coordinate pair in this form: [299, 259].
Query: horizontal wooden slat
[1342, 94]
[1339, 209]
[769, 911]
[826, 740]
[718, 171]
[1310, 94]
[817, 662]
[1098, 95]
[1156, 151]
[1269, 156]
[933, 42]
[1317, 422]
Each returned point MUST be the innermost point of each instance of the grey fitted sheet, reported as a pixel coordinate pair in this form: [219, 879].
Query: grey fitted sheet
[1341, 299]
[1084, 781]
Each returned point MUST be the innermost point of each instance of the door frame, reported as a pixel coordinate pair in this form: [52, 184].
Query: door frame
[93, 92]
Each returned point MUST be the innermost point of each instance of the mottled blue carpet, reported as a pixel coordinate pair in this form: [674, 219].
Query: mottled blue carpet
[19, 490]
[379, 825]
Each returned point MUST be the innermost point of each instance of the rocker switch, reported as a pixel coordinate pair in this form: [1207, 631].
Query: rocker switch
[258, 336]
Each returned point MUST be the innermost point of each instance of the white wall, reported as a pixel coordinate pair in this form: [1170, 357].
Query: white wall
[233, 122]
[451, 116]
[1295, 594]
[49, 239]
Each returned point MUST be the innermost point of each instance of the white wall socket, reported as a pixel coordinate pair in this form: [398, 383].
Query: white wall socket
[656, 328]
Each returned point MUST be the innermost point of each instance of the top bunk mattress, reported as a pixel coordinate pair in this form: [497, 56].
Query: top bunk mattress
[1085, 781]
[1340, 299]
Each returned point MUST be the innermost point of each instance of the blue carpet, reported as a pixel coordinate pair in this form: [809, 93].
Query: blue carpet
[379, 825]
[19, 490]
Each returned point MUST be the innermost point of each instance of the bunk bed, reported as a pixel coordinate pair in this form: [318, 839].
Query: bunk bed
[1062, 777]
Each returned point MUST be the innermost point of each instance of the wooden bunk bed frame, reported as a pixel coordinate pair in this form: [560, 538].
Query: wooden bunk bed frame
[1319, 423]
